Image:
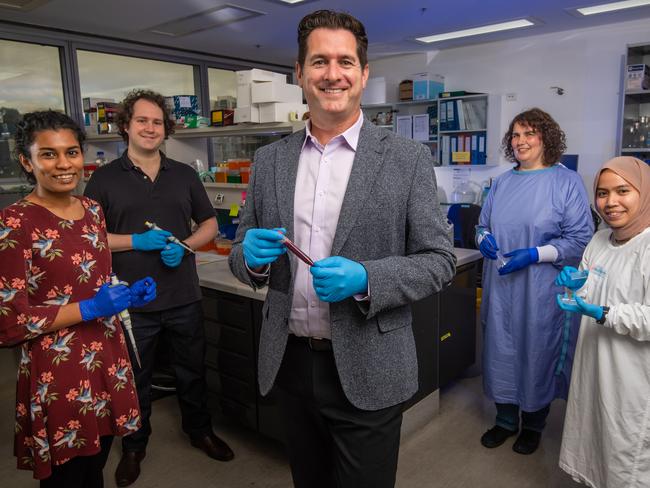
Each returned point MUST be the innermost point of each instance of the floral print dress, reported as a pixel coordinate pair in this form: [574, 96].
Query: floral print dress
[74, 384]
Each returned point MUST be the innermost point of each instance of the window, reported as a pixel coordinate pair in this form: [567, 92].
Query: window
[30, 80]
[222, 84]
[113, 76]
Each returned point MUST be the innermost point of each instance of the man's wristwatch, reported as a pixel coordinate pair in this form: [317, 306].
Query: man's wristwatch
[603, 317]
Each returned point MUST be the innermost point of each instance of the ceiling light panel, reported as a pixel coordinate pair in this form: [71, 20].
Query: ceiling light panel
[207, 19]
[612, 7]
[476, 31]
[291, 3]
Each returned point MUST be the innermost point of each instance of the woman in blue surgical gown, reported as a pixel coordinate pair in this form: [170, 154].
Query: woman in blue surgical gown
[537, 218]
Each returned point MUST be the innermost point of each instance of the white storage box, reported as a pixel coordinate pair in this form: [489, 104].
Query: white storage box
[275, 91]
[279, 112]
[375, 91]
[247, 114]
[254, 75]
[244, 95]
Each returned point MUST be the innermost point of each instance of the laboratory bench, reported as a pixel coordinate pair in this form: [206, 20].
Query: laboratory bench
[444, 326]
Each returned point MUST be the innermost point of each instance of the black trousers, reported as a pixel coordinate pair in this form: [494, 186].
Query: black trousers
[183, 326]
[508, 417]
[81, 471]
[332, 443]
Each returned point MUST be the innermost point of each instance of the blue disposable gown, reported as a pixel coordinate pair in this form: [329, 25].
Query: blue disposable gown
[523, 328]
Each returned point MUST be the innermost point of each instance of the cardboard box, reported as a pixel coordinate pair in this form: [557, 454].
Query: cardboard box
[427, 86]
[225, 102]
[279, 112]
[256, 75]
[275, 91]
[244, 95]
[91, 103]
[638, 77]
[247, 114]
[406, 90]
[181, 105]
[375, 91]
[222, 117]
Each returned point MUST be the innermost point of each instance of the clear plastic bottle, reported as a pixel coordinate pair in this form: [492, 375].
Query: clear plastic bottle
[100, 160]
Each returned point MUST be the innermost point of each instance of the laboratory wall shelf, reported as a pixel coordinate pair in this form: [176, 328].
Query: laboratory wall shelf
[461, 131]
[275, 128]
[235, 186]
[633, 136]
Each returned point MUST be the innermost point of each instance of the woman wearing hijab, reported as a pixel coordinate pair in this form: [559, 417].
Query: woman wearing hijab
[606, 440]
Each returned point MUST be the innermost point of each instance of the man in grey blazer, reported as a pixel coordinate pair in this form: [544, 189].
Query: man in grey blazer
[336, 337]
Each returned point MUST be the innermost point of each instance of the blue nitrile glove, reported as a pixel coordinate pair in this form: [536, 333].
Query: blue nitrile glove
[172, 255]
[595, 311]
[564, 278]
[263, 246]
[108, 301]
[487, 244]
[152, 240]
[337, 278]
[142, 292]
[519, 259]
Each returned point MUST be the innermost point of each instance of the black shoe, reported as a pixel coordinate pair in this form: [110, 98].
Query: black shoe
[496, 436]
[527, 442]
[128, 469]
[213, 447]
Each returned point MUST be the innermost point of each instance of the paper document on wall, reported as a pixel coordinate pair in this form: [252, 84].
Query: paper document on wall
[404, 126]
[421, 127]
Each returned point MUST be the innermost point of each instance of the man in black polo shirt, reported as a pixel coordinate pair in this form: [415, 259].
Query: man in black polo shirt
[145, 185]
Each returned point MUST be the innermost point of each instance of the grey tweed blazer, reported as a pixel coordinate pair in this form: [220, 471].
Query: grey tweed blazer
[391, 222]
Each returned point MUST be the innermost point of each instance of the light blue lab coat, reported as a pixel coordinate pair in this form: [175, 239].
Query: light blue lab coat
[523, 328]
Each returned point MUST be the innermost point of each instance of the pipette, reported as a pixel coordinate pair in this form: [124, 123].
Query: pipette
[174, 239]
[125, 318]
[296, 250]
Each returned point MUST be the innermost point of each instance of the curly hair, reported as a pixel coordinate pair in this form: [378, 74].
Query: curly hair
[35, 122]
[329, 19]
[126, 111]
[552, 135]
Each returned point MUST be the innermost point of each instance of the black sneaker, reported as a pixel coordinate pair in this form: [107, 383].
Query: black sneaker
[496, 436]
[527, 442]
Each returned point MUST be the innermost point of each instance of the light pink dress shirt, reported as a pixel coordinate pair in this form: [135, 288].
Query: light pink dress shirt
[321, 182]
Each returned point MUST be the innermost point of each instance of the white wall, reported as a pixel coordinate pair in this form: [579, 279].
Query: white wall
[586, 63]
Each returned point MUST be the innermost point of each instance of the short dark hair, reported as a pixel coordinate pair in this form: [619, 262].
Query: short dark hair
[329, 19]
[126, 111]
[552, 135]
[35, 122]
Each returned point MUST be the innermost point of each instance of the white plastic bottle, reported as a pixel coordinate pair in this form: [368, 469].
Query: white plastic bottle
[100, 160]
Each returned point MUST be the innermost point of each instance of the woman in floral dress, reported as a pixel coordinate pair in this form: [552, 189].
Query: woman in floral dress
[75, 387]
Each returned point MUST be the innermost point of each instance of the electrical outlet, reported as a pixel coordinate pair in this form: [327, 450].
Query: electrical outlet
[218, 199]
[511, 97]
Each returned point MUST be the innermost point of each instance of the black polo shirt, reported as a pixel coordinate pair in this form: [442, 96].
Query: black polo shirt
[129, 198]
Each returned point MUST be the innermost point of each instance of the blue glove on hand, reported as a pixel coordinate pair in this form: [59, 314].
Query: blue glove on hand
[594, 311]
[564, 278]
[487, 244]
[172, 254]
[519, 259]
[263, 246]
[108, 301]
[337, 278]
[142, 292]
[152, 240]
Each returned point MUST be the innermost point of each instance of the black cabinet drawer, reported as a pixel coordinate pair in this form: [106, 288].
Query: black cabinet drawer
[213, 381]
[246, 415]
[226, 308]
[240, 391]
[237, 366]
